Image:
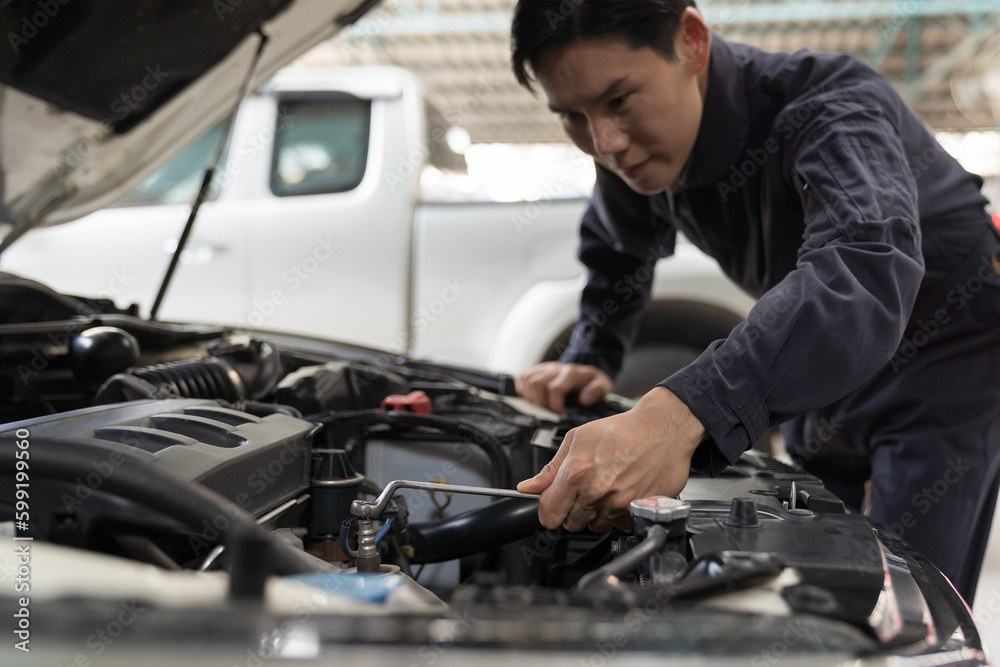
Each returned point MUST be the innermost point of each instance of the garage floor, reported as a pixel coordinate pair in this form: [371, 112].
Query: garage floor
[987, 607]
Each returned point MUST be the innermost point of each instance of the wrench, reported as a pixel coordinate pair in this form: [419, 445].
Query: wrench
[373, 509]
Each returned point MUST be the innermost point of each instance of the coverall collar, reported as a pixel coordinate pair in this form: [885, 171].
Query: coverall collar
[722, 135]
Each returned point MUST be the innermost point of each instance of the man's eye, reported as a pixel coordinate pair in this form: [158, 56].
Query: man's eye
[617, 102]
[570, 116]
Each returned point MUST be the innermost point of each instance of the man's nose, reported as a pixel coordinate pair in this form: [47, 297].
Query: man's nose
[609, 137]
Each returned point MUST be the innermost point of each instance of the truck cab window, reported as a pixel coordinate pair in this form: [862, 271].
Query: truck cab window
[320, 144]
[177, 181]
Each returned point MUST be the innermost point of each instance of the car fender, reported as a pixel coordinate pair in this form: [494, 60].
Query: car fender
[688, 285]
[535, 322]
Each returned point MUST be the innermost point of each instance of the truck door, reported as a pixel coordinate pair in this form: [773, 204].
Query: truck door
[331, 241]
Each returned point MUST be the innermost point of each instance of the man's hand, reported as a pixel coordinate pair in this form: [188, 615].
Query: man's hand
[548, 383]
[603, 466]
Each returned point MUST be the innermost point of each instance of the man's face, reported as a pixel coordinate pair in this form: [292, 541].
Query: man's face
[635, 112]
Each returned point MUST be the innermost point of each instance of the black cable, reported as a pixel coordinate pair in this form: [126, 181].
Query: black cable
[498, 383]
[370, 487]
[500, 473]
[259, 409]
[481, 411]
[136, 480]
[329, 417]
[473, 532]
[500, 468]
[394, 554]
[656, 537]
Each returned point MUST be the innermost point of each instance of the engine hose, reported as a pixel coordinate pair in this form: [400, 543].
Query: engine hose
[196, 378]
[128, 387]
[500, 469]
[656, 537]
[136, 480]
[469, 533]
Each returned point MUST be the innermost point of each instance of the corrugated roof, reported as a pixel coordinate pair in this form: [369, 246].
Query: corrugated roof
[944, 56]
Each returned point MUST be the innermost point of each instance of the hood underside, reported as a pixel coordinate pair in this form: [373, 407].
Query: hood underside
[95, 95]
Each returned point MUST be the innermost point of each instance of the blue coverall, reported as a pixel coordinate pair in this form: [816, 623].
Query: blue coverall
[876, 336]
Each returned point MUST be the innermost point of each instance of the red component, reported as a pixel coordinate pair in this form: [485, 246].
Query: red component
[996, 221]
[416, 401]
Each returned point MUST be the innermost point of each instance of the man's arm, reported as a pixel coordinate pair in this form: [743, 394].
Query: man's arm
[620, 241]
[835, 320]
[828, 326]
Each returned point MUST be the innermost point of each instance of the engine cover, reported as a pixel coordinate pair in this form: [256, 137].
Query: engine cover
[257, 462]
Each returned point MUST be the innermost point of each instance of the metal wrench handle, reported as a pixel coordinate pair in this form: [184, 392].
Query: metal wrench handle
[372, 509]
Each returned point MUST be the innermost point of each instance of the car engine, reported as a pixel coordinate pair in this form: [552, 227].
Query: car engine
[294, 495]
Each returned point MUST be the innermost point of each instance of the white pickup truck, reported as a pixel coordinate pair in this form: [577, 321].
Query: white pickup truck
[317, 225]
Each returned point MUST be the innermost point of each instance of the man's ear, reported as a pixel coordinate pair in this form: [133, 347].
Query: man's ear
[694, 41]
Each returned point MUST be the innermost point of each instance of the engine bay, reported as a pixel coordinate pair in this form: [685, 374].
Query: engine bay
[243, 470]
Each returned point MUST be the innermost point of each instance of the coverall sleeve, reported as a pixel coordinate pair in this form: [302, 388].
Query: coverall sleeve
[835, 319]
[621, 238]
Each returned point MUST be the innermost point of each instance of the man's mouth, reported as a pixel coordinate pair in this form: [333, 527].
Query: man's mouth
[635, 170]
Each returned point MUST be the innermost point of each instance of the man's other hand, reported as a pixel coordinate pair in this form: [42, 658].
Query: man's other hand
[548, 383]
[604, 465]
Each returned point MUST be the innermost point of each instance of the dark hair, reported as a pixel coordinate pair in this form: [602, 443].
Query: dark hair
[542, 24]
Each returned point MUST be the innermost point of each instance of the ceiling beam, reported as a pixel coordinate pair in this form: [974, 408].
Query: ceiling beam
[819, 10]
[886, 42]
[913, 49]
[415, 21]
[945, 65]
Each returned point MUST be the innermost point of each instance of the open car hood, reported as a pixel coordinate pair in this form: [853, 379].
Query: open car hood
[191, 494]
[95, 96]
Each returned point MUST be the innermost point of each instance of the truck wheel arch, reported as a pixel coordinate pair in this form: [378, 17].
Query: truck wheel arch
[672, 333]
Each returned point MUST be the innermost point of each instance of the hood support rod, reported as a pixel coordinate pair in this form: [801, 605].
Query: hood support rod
[206, 182]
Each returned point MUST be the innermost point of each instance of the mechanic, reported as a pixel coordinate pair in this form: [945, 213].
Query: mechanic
[875, 339]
